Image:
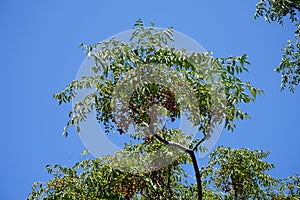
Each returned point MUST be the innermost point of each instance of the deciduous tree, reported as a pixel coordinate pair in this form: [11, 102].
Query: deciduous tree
[208, 89]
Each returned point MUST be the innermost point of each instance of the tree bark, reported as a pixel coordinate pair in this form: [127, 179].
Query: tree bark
[197, 173]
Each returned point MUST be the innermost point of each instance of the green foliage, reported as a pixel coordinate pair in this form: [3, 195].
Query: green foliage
[275, 11]
[149, 46]
[290, 64]
[288, 189]
[97, 179]
[151, 154]
[240, 173]
[230, 174]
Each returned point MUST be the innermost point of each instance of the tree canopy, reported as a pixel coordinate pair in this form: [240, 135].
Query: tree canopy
[145, 76]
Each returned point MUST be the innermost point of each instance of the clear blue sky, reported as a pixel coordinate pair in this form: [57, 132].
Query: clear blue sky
[40, 55]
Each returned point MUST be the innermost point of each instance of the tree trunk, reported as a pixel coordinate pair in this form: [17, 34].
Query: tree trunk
[197, 174]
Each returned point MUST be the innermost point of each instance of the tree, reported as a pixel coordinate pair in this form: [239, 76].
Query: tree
[205, 88]
[275, 11]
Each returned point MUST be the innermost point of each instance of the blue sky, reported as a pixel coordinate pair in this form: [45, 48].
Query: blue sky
[40, 55]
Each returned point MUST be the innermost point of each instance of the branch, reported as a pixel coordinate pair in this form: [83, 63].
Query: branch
[179, 146]
[197, 145]
[197, 174]
[192, 156]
